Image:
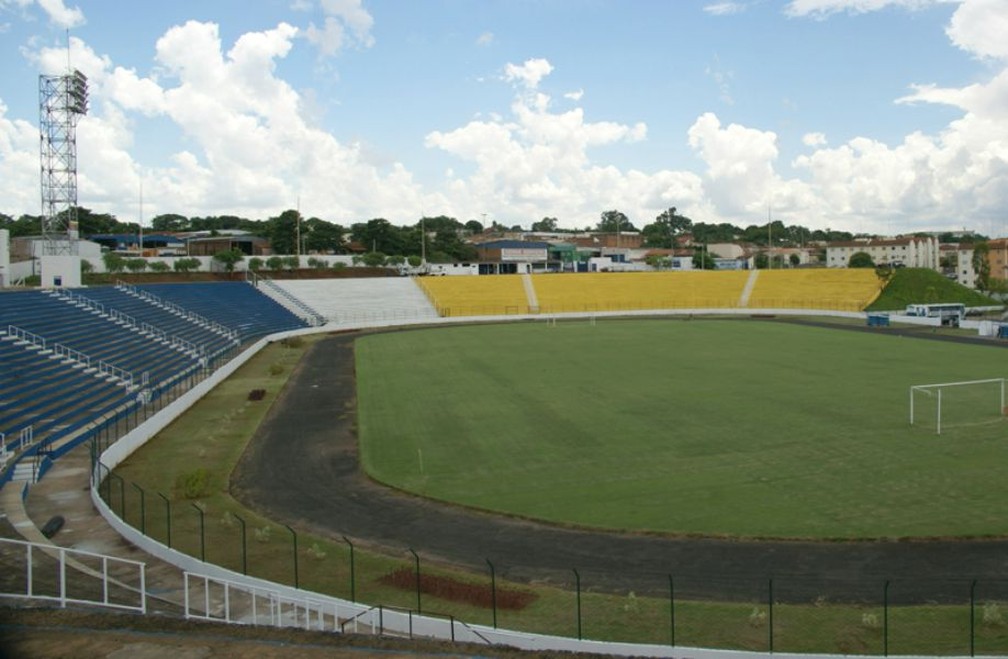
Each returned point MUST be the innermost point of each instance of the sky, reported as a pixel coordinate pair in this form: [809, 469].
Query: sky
[873, 116]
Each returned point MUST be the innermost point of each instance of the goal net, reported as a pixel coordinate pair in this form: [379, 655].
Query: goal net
[956, 404]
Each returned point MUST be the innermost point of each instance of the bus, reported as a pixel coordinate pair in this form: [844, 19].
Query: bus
[950, 313]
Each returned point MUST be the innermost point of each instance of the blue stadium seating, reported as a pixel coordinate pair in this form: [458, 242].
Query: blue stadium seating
[57, 396]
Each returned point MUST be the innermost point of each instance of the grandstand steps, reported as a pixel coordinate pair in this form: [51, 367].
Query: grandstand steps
[24, 472]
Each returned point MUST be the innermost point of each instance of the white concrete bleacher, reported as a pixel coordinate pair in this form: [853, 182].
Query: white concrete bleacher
[362, 301]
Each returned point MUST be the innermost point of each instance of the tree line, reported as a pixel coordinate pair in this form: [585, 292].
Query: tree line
[443, 238]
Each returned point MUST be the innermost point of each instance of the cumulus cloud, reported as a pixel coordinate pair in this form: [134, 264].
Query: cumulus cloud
[813, 139]
[346, 23]
[61, 15]
[823, 8]
[725, 8]
[980, 27]
[537, 162]
[250, 151]
[528, 74]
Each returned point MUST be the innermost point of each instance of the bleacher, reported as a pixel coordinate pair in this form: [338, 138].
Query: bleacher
[840, 289]
[70, 357]
[487, 295]
[352, 300]
[630, 291]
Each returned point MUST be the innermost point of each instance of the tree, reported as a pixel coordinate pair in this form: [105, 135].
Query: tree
[473, 227]
[379, 235]
[702, 260]
[229, 258]
[614, 221]
[794, 260]
[86, 266]
[666, 227]
[113, 262]
[546, 225]
[860, 260]
[274, 262]
[414, 261]
[315, 263]
[159, 266]
[187, 264]
[290, 263]
[255, 264]
[170, 222]
[282, 232]
[373, 259]
[136, 265]
[981, 266]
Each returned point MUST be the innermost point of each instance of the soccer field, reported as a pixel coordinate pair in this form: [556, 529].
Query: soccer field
[712, 427]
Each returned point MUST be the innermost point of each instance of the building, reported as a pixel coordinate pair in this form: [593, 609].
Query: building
[911, 252]
[997, 258]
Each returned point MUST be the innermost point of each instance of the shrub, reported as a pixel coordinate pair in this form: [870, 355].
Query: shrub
[255, 264]
[274, 262]
[159, 266]
[256, 394]
[992, 615]
[194, 484]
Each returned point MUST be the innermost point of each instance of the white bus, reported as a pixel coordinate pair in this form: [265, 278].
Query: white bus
[951, 313]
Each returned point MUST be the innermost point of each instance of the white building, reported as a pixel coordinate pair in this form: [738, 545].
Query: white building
[912, 252]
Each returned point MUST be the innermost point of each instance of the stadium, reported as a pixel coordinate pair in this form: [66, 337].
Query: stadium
[656, 462]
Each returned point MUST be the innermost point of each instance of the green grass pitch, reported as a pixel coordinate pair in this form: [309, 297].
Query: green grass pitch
[712, 427]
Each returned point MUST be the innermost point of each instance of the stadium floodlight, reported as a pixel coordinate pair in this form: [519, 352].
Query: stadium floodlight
[970, 402]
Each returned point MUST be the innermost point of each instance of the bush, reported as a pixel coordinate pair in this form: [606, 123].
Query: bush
[274, 262]
[187, 264]
[136, 265]
[255, 264]
[194, 484]
[159, 266]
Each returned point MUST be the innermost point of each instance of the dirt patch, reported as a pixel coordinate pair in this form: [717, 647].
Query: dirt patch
[453, 590]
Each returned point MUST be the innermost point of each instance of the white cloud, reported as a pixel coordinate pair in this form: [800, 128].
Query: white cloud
[981, 27]
[823, 8]
[485, 39]
[346, 23]
[725, 8]
[62, 15]
[19, 164]
[814, 139]
[575, 95]
[528, 74]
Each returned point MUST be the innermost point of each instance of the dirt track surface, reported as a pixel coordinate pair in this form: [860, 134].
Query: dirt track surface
[302, 467]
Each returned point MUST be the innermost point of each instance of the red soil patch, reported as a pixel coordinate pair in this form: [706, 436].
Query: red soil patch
[454, 590]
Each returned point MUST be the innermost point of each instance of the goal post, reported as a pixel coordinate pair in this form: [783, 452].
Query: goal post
[972, 400]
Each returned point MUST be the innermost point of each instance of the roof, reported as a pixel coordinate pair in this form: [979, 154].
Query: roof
[513, 244]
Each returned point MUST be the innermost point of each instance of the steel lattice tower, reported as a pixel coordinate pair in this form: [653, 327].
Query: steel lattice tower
[62, 101]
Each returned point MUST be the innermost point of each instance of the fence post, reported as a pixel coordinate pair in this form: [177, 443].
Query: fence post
[243, 544]
[671, 598]
[143, 508]
[973, 618]
[122, 494]
[577, 588]
[885, 619]
[297, 582]
[167, 503]
[416, 559]
[493, 591]
[353, 587]
[202, 532]
[770, 614]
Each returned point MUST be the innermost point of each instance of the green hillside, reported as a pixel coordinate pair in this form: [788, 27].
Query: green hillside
[920, 285]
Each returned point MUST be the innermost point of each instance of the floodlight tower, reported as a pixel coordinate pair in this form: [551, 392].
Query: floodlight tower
[62, 101]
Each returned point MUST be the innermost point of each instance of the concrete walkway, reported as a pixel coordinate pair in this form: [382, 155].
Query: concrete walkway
[65, 491]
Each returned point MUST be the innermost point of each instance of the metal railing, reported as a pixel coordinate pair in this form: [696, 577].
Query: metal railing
[178, 310]
[221, 600]
[73, 576]
[286, 299]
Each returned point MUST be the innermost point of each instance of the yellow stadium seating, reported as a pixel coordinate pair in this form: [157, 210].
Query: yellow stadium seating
[841, 289]
[486, 295]
[625, 291]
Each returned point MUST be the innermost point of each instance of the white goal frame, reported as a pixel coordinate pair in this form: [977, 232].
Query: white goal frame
[926, 389]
